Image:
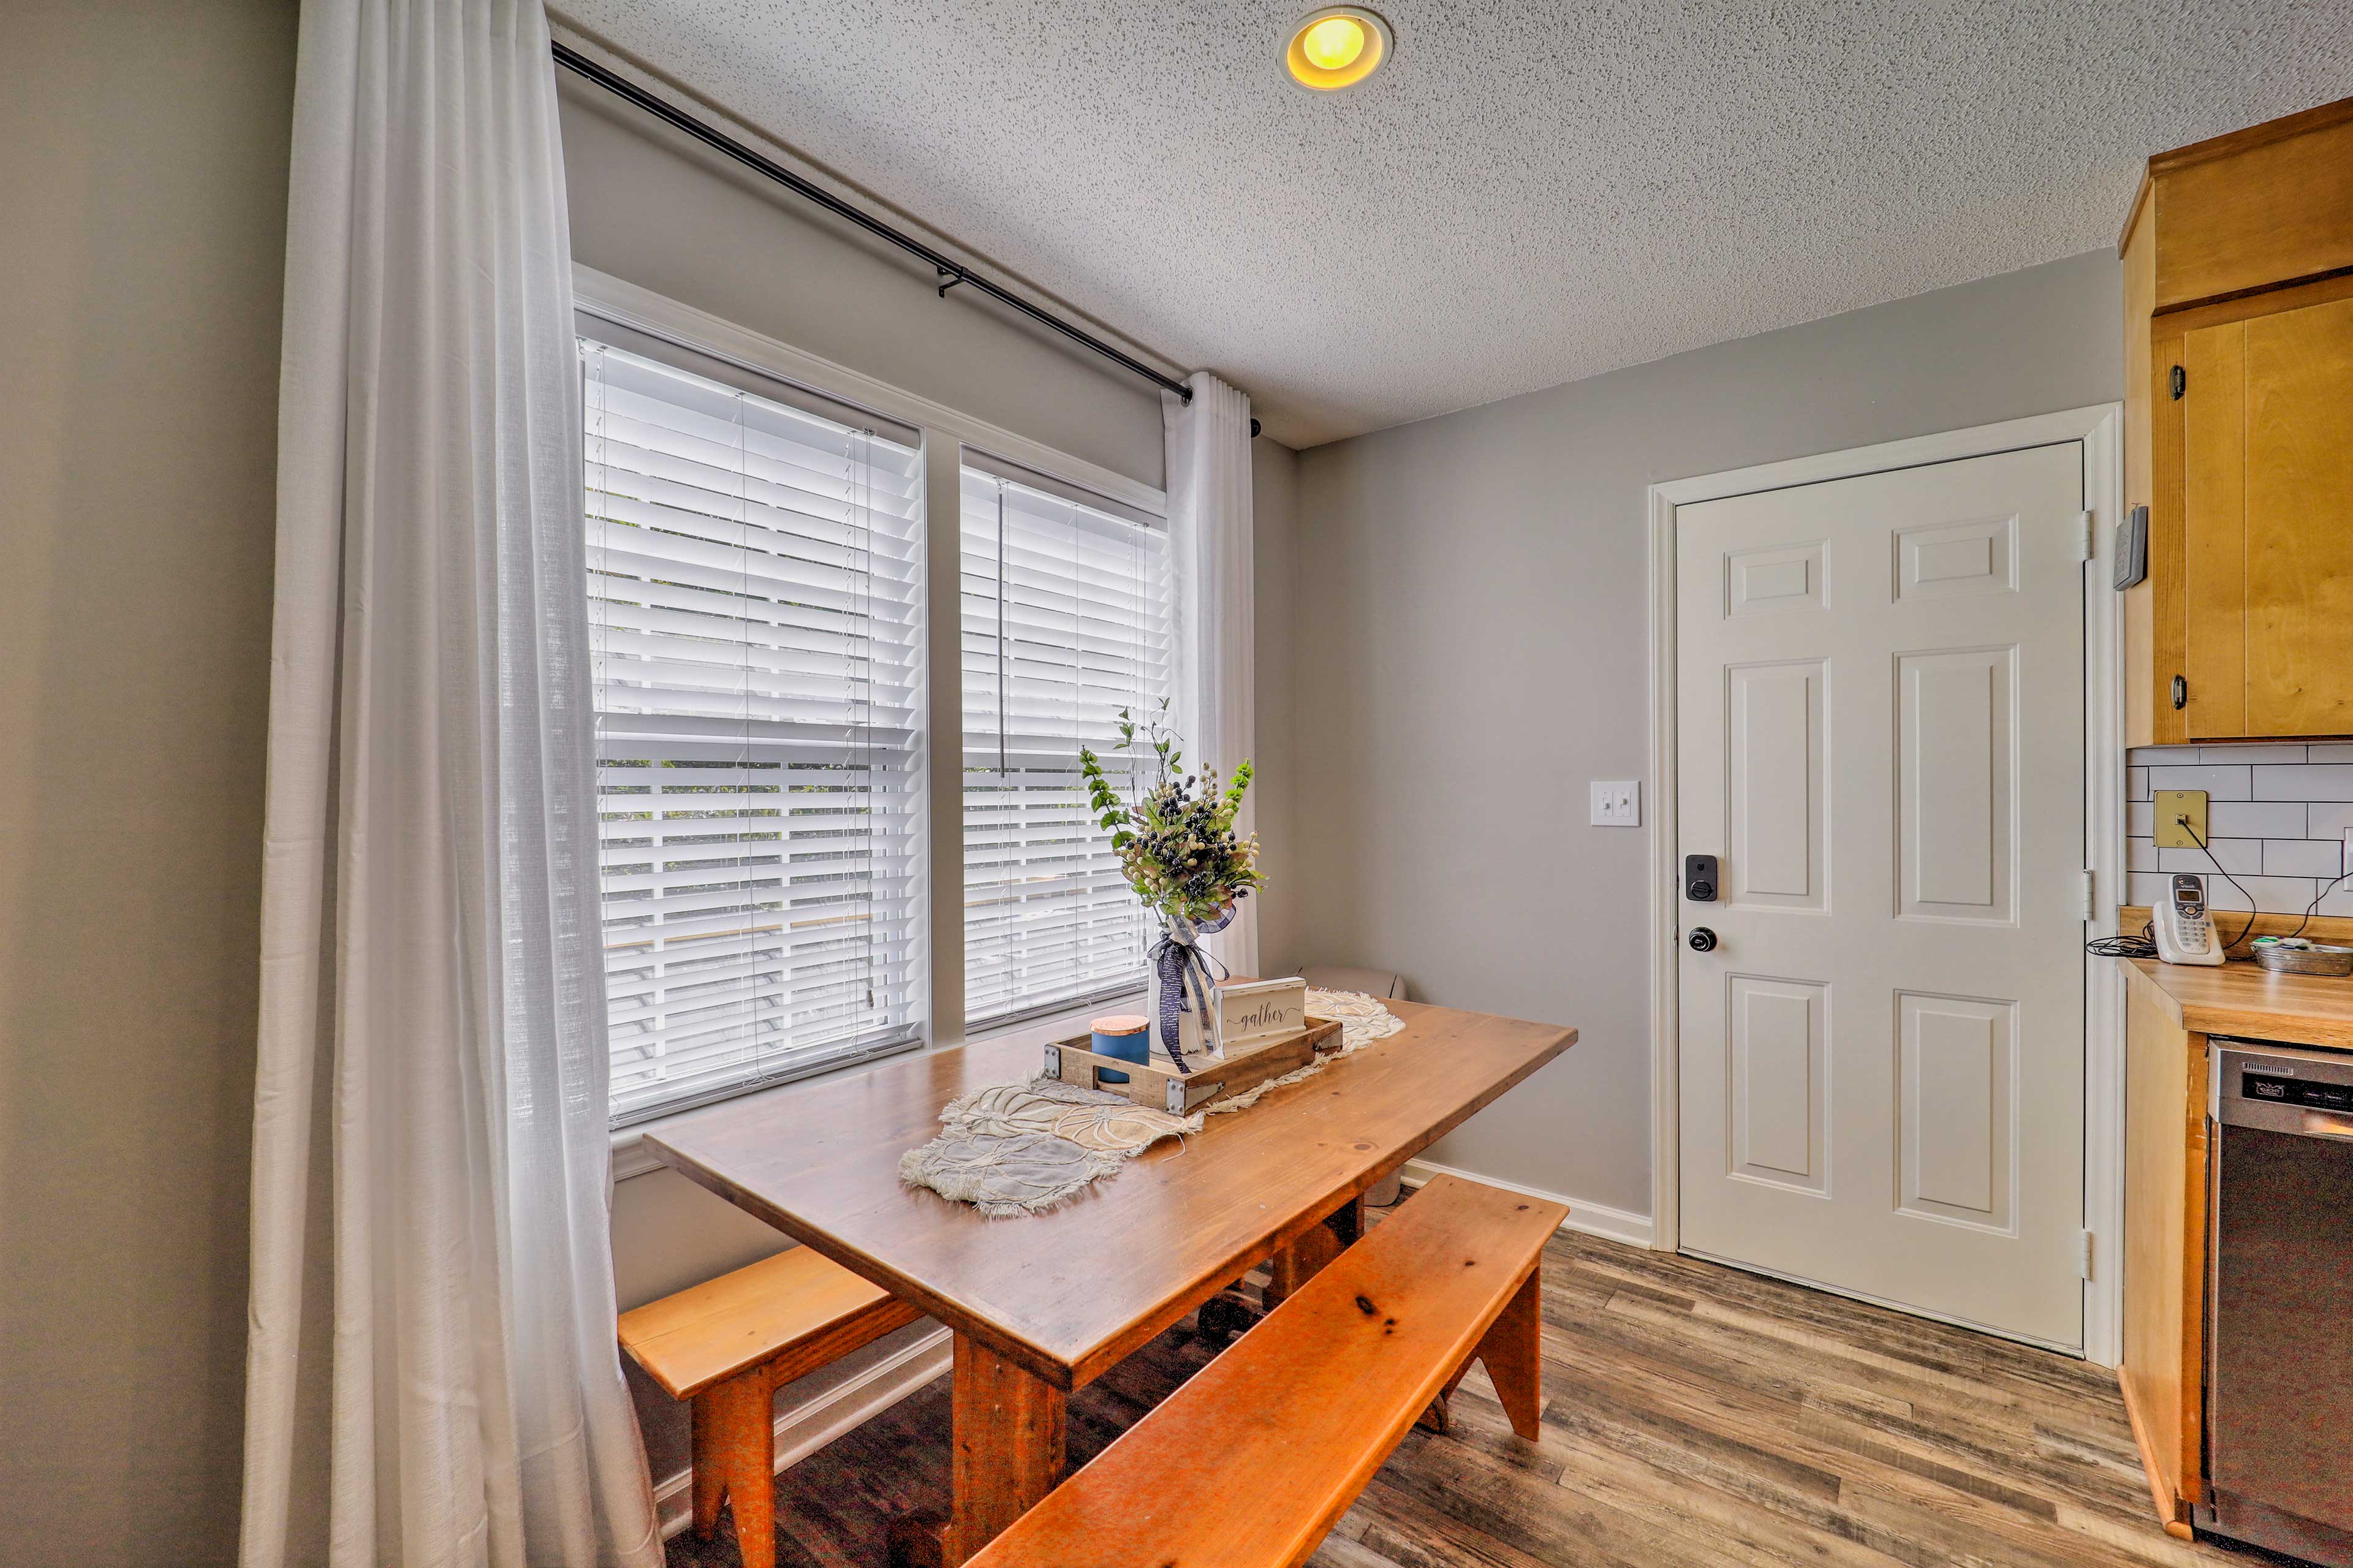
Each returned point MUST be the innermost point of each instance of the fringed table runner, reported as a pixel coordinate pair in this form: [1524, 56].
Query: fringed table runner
[1021, 1148]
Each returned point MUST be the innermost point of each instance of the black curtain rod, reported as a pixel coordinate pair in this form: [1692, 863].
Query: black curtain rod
[953, 272]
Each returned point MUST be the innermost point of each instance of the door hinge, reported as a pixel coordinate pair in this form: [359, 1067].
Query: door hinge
[2180, 693]
[2181, 383]
[2090, 887]
[2084, 1253]
[2090, 541]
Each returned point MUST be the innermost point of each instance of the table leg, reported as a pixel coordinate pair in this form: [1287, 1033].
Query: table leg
[1009, 1446]
[1295, 1265]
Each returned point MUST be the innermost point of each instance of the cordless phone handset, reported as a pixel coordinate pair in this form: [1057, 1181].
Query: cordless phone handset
[2185, 931]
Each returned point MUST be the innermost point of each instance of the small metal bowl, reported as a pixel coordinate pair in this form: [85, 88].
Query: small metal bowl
[2335, 960]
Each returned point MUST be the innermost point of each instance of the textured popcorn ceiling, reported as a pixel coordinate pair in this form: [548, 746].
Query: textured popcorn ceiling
[1528, 193]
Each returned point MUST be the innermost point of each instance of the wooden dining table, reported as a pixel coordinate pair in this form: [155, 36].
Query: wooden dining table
[1042, 1304]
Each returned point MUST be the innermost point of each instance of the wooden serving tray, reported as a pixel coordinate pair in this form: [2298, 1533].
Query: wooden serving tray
[1158, 1087]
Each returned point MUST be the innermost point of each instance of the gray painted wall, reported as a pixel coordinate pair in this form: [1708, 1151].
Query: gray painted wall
[142, 174]
[651, 207]
[1274, 504]
[1473, 651]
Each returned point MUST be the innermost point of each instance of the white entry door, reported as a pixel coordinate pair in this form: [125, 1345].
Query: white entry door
[1879, 717]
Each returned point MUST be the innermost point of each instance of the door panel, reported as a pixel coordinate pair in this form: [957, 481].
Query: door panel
[1776, 792]
[1778, 1076]
[1778, 577]
[1948, 558]
[1957, 1082]
[1883, 1059]
[1956, 821]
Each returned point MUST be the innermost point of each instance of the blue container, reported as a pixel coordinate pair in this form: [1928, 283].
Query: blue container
[1124, 1036]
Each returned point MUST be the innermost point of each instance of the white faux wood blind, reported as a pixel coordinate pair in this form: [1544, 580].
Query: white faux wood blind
[1066, 621]
[752, 594]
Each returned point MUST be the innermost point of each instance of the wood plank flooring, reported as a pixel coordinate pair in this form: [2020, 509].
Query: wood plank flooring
[1695, 1415]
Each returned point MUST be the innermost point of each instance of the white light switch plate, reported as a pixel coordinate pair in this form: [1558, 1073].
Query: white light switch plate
[1617, 802]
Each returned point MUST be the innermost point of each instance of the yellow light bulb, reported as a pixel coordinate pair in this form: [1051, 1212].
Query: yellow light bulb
[1333, 43]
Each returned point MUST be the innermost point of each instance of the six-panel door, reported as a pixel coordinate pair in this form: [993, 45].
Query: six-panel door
[1879, 717]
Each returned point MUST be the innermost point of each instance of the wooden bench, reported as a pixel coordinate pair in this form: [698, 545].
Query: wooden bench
[1254, 1459]
[728, 1345]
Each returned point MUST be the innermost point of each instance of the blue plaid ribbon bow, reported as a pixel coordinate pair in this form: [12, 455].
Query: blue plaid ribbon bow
[1185, 984]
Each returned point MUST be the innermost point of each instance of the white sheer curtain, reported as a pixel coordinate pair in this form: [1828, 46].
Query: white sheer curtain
[431, 1377]
[1209, 539]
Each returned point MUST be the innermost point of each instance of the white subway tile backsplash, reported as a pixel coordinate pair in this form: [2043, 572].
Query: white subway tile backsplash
[2226, 781]
[2244, 857]
[2310, 781]
[2273, 895]
[2255, 819]
[2278, 812]
[2303, 858]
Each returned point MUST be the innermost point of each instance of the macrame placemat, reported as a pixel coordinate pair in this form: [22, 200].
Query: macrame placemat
[1021, 1148]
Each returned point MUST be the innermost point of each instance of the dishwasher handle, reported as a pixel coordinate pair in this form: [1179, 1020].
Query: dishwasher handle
[2327, 1124]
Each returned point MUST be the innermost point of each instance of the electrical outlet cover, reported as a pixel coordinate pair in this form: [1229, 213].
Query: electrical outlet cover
[2172, 806]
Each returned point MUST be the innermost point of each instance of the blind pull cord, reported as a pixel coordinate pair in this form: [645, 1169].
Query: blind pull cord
[862, 486]
[1002, 771]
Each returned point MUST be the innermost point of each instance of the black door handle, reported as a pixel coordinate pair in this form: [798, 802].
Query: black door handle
[1702, 940]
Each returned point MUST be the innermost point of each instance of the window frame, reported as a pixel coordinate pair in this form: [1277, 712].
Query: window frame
[950, 438]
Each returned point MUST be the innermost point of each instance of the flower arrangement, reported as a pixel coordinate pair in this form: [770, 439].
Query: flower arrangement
[1175, 836]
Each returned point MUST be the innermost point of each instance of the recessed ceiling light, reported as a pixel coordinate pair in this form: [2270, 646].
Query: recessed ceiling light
[1337, 47]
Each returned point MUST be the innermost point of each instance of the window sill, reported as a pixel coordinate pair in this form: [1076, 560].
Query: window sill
[630, 1157]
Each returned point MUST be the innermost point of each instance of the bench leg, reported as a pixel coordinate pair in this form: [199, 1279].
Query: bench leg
[1008, 1444]
[735, 1458]
[1513, 1354]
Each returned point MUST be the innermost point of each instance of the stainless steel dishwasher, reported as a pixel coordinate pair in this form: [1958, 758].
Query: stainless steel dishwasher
[2279, 1321]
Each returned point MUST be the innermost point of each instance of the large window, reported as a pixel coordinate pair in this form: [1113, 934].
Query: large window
[1066, 621]
[752, 557]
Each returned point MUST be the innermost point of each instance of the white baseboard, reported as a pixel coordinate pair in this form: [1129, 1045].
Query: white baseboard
[805, 1428]
[1593, 1219]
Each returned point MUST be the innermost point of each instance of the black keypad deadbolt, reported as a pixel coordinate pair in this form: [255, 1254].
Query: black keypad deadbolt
[1702, 940]
[1700, 879]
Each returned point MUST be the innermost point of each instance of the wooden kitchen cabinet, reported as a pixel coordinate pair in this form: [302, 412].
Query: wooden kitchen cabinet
[2171, 1011]
[2239, 435]
[2267, 523]
[2163, 1377]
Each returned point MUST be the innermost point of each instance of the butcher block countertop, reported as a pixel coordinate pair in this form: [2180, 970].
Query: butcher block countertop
[2237, 998]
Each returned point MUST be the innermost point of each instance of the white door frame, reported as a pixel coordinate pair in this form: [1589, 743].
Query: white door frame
[2100, 428]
